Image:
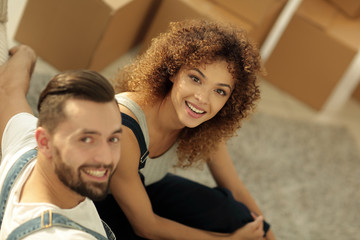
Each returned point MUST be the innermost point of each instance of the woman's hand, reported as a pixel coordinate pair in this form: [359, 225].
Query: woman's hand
[251, 231]
[270, 235]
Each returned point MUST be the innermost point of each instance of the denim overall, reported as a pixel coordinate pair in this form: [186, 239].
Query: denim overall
[48, 218]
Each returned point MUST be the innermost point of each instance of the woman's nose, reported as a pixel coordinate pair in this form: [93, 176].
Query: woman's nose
[202, 96]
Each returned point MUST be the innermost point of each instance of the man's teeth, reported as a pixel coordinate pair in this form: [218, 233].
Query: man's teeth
[96, 173]
[194, 109]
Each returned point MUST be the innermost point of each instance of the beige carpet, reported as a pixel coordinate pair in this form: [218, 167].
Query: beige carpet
[304, 176]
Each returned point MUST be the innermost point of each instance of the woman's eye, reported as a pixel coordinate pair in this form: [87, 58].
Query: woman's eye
[195, 79]
[221, 92]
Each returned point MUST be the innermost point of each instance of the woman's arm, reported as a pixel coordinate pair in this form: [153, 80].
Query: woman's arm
[130, 194]
[225, 175]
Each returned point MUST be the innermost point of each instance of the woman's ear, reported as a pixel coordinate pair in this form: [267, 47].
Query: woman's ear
[42, 137]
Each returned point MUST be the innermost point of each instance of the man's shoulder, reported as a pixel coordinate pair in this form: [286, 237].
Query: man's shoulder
[19, 131]
[25, 212]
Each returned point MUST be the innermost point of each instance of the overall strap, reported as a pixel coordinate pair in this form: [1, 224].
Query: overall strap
[10, 178]
[134, 126]
[49, 219]
[109, 233]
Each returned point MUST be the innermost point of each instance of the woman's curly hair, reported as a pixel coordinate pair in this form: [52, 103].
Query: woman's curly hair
[191, 43]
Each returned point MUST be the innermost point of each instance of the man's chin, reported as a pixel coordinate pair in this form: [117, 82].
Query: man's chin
[95, 193]
[97, 197]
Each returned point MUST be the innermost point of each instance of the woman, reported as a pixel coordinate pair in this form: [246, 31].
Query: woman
[189, 93]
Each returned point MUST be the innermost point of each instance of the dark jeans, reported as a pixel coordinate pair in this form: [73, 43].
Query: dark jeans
[186, 202]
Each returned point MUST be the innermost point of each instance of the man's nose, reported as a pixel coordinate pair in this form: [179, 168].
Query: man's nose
[103, 154]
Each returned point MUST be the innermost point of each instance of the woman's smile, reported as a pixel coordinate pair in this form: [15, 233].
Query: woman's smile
[199, 93]
[194, 110]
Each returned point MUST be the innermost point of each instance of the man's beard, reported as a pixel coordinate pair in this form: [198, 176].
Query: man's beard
[72, 178]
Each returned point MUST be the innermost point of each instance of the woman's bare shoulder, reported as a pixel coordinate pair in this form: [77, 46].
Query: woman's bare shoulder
[133, 96]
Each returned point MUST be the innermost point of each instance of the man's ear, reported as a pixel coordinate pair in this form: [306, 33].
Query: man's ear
[42, 137]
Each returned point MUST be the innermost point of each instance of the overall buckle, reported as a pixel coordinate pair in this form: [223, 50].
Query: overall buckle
[49, 219]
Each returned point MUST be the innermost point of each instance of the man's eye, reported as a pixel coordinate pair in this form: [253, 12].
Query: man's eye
[86, 139]
[114, 139]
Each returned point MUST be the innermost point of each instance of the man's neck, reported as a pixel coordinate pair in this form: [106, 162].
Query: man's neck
[44, 186]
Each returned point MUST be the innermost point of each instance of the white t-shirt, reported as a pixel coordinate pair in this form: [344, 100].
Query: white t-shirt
[17, 139]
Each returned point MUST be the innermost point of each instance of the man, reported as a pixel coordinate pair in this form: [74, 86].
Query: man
[77, 141]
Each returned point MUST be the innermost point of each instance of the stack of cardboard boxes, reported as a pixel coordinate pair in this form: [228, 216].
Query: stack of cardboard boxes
[316, 51]
[310, 59]
[255, 16]
[92, 33]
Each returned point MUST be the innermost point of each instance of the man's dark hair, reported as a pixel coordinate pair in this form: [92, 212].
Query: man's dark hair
[80, 84]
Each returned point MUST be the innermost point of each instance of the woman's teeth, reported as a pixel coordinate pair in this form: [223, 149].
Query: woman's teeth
[194, 109]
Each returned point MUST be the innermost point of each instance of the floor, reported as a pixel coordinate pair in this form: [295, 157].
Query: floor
[274, 101]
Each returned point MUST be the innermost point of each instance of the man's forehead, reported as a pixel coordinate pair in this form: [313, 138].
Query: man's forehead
[91, 117]
[84, 108]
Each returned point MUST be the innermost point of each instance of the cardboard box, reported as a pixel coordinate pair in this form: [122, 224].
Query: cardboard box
[356, 94]
[260, 14]
[255, 16]
[74, 34]
[350, 7]
[314, 53]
